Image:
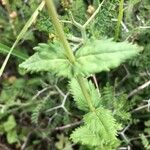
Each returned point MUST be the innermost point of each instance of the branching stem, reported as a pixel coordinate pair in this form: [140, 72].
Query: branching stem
[82, 28]
[69, 52]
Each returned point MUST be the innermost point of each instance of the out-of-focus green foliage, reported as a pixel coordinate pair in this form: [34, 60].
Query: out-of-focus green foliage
[32, 112]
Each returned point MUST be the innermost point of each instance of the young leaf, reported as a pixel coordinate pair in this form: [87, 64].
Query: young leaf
[102, 55]
[79, 97]
[12, 136]
[10, 123]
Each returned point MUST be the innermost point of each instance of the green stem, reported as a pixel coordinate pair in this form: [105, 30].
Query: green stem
[79, 26]
[59, 29]
[81, 82]
[120, 16]
[69, 53]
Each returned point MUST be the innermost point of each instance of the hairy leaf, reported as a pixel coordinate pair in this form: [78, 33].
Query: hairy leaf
[101, 121]
[85, 136]
[79, 97]
[95, 56]
[102, 55]
[117, 104]
[49, 57]
[99, 129]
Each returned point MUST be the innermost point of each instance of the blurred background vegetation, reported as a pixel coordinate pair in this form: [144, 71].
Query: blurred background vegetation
[36, 111]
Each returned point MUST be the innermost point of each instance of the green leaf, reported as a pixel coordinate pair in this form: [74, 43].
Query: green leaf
[5, 49]
[102, 55]
[102, 122]
[95, 56]
[119, 105]
[85, 136]
[12, 137]
[79, 97]
[10, 123]
[145, 142]
[50, 58]
[99, 129]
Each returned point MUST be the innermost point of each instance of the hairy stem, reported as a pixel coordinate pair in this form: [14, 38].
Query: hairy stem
[69, 52]
[81, 82]
[59, 30]
[120, 16]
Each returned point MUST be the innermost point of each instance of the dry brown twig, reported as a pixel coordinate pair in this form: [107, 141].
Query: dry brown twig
[68, 125]
[135, 91]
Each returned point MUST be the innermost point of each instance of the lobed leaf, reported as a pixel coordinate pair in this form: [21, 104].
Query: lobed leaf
[102, 122]
[99, 129]
[85, 136]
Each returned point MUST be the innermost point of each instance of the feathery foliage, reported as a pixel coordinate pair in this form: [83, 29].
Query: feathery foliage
[119, 105]
[99, 129]
[79, 97]
[145, 142]
[100, 126]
